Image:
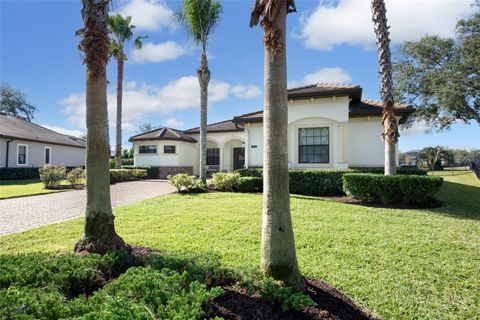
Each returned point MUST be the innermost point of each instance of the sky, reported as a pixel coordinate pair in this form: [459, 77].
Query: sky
[327, 41]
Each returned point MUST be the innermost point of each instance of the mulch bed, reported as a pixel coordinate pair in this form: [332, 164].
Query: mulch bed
[429, 205]
[237, 304]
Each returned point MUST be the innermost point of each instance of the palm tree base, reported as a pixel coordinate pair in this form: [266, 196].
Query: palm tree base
[285, 274]
[101, 246]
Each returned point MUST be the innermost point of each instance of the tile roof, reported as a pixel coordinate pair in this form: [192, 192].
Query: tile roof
[163, 134]
[326, 90]
[15, 128]
[222, 126]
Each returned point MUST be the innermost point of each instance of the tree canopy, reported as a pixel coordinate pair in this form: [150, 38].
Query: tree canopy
[121, 32]
[13, 102]
[440, 77]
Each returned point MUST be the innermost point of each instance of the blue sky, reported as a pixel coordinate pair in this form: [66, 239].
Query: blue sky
[327, 41]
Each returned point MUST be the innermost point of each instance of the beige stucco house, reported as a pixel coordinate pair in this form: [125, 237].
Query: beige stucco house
[25, 144]
[329, 127]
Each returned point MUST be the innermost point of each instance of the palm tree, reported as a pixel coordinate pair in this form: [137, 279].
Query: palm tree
[121, 32]
[389, 122]
[278, 257]
[99, 231]
[200, 17]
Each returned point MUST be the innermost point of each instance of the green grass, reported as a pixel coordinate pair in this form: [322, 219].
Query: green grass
[401, 264]
[24, 188]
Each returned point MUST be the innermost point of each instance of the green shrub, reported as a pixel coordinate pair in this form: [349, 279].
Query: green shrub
[51, 176]
[74, 176]
[250, 172]
[152, 173]
[127, 162]
[224, 181]
[407, 170]
[119, 175]
[316, 182]
[391, 189]
[111, 163]
[19, 173]
[250, 184]
[185, 183]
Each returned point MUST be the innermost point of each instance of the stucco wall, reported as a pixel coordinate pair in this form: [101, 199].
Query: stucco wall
[60, 155]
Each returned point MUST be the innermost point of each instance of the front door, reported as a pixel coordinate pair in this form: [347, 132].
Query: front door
[238, 158]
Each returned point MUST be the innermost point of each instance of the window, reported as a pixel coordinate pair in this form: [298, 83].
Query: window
[213, 156]
[313, 145]
[48, 155]
[22, 154]
[147, 149]
[168, 149]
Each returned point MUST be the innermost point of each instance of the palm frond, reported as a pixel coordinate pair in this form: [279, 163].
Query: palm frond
[121, 31]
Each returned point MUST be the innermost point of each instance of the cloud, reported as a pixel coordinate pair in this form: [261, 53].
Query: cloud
[160, 52]
[419, 127]
[174, 123]
[349, 21]
[75, 133]
[246, 92]
[142, 100]
[150, 15]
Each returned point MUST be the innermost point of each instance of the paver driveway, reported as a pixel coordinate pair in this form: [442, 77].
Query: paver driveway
[24, 213]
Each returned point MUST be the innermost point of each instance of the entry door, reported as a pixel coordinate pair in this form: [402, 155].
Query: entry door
[238, 158]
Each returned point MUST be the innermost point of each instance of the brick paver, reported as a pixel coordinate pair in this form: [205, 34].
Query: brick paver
[19, 214]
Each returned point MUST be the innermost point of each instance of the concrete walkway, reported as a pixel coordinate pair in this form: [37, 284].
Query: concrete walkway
[19, 214]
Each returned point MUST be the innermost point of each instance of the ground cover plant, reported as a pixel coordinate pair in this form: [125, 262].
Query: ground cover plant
[400, 264]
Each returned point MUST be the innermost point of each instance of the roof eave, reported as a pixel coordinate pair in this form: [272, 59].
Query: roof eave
[42, 141]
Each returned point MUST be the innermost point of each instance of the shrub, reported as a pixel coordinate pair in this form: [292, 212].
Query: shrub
[407, 170]
[19, 173]
[274, 292]
[74, 176]
[250, 172]
[250, 184]
[185, 183]
[316, 182]
[391, 189]
[225, 181]
[127, 162]
[152, 173]
[111, 163]
[119, 175]
[51, 176]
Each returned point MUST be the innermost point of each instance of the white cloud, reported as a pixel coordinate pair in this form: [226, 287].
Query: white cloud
[419, 127]
[174, 123]
[75, 133]
[329, 75]
[160, 52]
[246, 92]
[150, 15]
[142, 100]
[349, 22]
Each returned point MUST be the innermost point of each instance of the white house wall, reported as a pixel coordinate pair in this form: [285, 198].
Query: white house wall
[185, 154]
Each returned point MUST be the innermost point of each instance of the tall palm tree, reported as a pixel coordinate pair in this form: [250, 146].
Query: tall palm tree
[200, 17]
[278, 257]
[389, 122]
[99, 231]
[121, 32]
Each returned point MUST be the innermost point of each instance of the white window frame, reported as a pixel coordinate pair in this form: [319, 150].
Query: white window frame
[26, 154]
[44, 156]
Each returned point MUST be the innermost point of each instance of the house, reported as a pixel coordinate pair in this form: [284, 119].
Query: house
[25, 144]
[329, 127]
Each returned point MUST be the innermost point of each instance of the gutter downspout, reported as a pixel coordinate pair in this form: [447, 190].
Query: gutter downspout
[6, 153]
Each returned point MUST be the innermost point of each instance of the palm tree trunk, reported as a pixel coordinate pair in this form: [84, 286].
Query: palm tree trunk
[118, 147]
[99, 231]
[203, 78]
[389, 122]
[278, 256]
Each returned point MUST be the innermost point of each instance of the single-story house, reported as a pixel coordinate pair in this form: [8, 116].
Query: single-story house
[329, 127]
[25, 144]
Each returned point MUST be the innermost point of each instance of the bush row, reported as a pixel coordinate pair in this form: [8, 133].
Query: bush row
[52, 176]
[152, 173]
[405, 170]
[120, 175]
[391, 189]
[19, 173]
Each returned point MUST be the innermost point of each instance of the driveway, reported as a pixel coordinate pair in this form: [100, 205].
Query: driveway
[19, 214]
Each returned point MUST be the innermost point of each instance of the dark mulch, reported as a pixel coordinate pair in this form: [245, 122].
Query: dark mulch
[429, 205]
[237, 304]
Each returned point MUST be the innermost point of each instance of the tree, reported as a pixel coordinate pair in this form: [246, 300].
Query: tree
[433, 157]
[404, 158]
[13, 102]
[99, 230]
[121, 32]
[145, 127]
[278, 258]
[200, 17]
[389, 122]
[441, 77]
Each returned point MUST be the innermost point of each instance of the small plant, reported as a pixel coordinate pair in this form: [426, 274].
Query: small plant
[51, 176]
[225, 181]
[74, 176]
[185, 183]
[250, 184]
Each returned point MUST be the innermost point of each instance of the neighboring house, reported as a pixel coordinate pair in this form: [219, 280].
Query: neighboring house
[25, 144]
[413, 154]
[329, 126]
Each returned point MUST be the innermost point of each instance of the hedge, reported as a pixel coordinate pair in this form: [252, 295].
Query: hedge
[407, 170]
[250, 184]
[19, 173]
[152, 173]
[119, 175]
[250, 172]
[391, 189]
[317, 182]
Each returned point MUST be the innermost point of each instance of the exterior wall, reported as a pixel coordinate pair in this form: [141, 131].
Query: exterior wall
[60, 155]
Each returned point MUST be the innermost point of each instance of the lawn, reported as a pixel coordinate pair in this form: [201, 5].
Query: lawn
[401, 264]
[22, 188]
